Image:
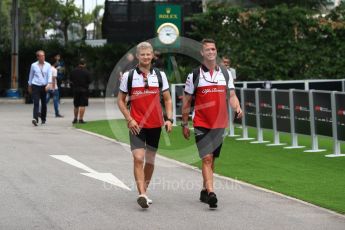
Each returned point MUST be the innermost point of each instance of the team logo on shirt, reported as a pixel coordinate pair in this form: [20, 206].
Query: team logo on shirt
[213, 90]
[146, 91]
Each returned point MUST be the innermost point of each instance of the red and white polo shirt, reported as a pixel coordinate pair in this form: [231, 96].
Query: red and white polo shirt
[146, 108]
[210, 109]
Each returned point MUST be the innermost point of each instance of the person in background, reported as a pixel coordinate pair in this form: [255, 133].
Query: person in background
[60, 67]
[39, 77]
[227, 63]
[53, 91]
[80, 78]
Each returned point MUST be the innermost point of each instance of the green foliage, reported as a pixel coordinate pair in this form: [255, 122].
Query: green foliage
[5, 6]
[276, 43]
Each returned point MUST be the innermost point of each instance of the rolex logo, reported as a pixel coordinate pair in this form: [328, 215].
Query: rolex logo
[168, 10]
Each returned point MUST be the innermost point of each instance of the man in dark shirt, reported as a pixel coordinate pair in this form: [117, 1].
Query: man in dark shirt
[80, 78]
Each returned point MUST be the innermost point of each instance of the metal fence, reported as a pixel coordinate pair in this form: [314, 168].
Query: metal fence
[295, 111]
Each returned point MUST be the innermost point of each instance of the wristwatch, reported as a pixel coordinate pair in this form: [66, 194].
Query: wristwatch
[184, 124]
[171, 120]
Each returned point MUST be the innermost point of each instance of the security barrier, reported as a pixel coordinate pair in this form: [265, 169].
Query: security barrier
[295, 111]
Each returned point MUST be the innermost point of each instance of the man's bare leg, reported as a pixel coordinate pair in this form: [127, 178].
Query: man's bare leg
[149, 166]
[139, 175]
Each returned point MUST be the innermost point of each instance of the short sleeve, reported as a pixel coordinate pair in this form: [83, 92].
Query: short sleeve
[189, 86]
[123, 82]
[231, 81]
[233, 73]
[165, 85]
[54, 72]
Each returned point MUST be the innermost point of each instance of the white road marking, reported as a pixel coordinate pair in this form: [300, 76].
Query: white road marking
[105, 177]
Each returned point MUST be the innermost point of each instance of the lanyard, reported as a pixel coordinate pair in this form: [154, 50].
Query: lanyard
[41, 70]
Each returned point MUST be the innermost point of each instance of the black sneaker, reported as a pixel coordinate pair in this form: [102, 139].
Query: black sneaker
[59, 115]
[34, 122]
[75, 121]
[203, 196]
[82, 122]
[43, 122]
[143, 201]
[212, 200]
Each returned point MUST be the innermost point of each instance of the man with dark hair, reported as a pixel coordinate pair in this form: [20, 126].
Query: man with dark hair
[226, 61]
[60, 67]
[53, 91]
[80, 79]
[209, 84]
[39, 77]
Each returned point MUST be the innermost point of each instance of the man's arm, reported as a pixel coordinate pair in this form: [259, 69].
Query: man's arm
[235, 104]
[31, 75]
[131, 123]
[186, 103]
[50, 74]
[168, 109]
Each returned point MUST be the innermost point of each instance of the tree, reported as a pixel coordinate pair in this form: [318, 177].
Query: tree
[40, 15]
[5, 20]
[97, 20]
[282, 42]
[308, 4]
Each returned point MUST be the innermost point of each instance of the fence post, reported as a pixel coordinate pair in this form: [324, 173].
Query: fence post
[244, 127]
[276, 141]
[314, 141]
[306, 85]
[336, 142]
[231, 123]
[173, 96]
[260, 138]
[294, 138]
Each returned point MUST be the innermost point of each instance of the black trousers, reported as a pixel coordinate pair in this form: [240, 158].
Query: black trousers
[39, 93]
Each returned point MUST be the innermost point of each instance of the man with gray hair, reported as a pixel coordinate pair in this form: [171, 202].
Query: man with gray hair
[144, 86]
[39, 77]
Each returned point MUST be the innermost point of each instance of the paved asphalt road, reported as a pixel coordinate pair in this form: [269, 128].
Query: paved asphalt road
[38, 191]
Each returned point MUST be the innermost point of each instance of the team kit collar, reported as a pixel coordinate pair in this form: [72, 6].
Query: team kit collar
[205, 69]
[140, 72]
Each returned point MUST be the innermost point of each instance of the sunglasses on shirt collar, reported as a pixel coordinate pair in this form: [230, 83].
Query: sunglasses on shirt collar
[146, 83]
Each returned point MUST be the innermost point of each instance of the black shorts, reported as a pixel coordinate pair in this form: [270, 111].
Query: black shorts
[80, 98]
[209, 141]
[148, 138]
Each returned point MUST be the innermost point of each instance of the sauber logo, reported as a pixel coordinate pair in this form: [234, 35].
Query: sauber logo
[249, 104]
[322, 109]
[301, 108]
[283, 107]
[341, 112]
[265, 105]
[213, 90]
[146, 91]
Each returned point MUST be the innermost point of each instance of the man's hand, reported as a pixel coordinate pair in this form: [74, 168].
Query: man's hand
[168, 126]
[239, 113]
[29, 89]
[133, 127]
[186, 132]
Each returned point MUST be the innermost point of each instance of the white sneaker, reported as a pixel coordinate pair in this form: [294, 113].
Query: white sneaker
[143, 201]
[149, 201]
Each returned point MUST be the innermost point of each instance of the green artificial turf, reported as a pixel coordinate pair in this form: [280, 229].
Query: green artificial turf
[311, 177]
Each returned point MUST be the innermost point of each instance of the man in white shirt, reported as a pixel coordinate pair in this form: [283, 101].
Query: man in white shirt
[39, 77]
[227, 63]
[211, 86]
[145, 116]
[53, 91]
